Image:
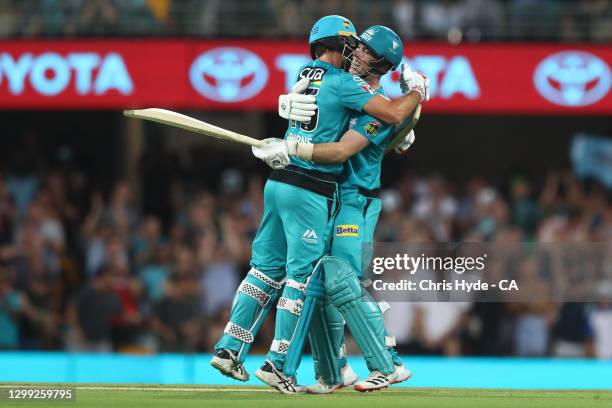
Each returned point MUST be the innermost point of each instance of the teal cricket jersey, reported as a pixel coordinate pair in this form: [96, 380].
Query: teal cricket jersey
[362, 170]
[338, 94]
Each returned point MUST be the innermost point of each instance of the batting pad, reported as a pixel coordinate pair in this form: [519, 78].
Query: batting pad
[254, 298]
[362, 315]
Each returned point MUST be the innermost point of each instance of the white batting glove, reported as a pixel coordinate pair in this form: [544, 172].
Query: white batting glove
[297, 106]
[405, 144]
[414, 81]
[273, 153]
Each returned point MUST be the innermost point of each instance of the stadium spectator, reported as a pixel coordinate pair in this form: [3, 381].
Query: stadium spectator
[90, 316]
[524, 211]
[128, 324]
[219, 282]
[12, 306]
[8, 222]
[440, 17]
[8, 18]
[571, 331]
[533, 319]
[154, 274]
[435, 206]
[40, 327]
[144, 245]
[600, 319]
[99, 17]
[483, 19]
[404, 16]
[438, 326]
[177, 319]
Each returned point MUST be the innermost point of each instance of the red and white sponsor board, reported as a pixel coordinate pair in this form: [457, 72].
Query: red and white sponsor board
[249, 75]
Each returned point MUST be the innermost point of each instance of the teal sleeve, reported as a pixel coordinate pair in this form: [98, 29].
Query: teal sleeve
[372, 129]
[354, 92]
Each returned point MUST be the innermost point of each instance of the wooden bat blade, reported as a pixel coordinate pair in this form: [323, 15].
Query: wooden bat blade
[178, 120]
[414, 119]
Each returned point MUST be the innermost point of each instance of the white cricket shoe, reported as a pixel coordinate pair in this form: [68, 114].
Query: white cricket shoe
[277, 379]
[374, 381]
[349, 377]
[226, 361]
[321, 388]
[401, 374]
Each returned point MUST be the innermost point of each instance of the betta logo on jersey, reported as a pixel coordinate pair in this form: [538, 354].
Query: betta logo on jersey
[573, 78]
[372, 127]
[347, 230]
[228, 74]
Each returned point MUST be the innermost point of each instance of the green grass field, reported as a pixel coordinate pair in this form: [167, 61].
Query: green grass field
[151, 396]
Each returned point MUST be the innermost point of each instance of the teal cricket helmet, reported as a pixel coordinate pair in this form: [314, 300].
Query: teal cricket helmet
[332, 32]
[385, 44]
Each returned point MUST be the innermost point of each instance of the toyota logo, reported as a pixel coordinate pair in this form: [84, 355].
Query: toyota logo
[573, 78]
[228, 74]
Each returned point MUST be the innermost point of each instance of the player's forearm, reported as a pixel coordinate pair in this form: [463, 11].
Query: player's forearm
[403, 107]
[328, 153]
[393, 112]
[351, 143]
[325, 153]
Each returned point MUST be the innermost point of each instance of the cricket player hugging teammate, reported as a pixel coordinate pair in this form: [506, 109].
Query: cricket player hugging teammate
[307, 251]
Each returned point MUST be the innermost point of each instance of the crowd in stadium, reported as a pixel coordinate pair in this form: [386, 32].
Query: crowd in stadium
[559, 20]
[86, 269]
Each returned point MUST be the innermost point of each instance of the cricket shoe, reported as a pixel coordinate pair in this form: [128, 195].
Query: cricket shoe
[277, 379]
[401, 374]
[374, 381]
[349, 377]
[226, 361]
[322, 388]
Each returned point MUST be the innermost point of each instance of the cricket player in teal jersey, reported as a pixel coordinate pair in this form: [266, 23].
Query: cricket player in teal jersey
[380, 51]
[356, 221]
[300, 201]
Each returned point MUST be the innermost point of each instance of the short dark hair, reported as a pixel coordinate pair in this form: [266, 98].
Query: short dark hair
[323, 45]
[318, 50]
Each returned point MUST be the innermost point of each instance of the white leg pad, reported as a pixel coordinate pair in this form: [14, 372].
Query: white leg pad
[266, 279]
[253, 291]
[280, 346]
[290, 305]
[296, 285]
[238, 332]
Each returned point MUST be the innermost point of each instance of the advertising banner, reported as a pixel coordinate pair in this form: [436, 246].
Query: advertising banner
[249, 75]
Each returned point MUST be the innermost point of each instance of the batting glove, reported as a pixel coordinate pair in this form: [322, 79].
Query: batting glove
[414, 81]
[273, 153]
[405, 144]
[297, 106]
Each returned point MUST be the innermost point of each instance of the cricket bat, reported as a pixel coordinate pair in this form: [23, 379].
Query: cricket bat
[175, 119]
[408, 126]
